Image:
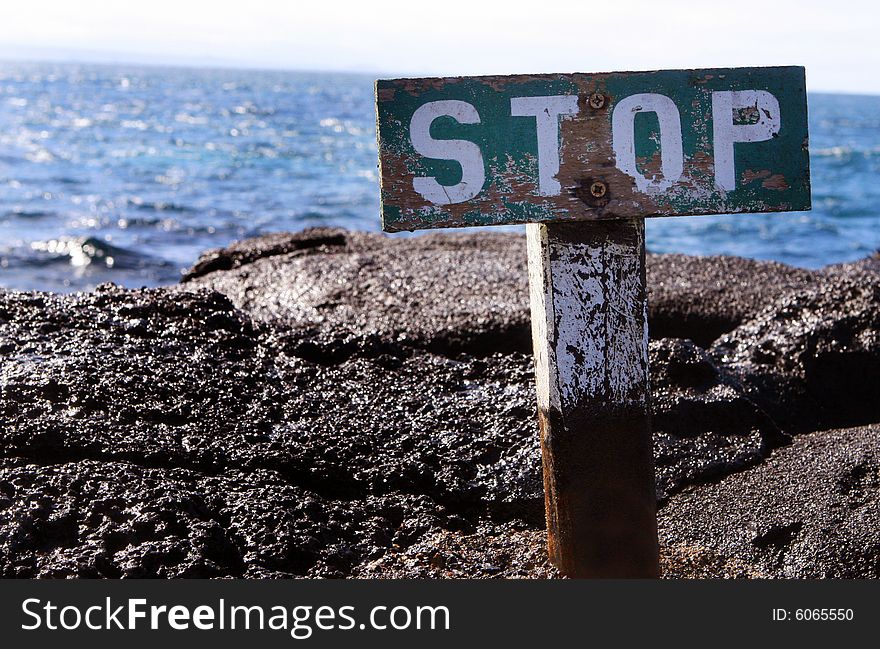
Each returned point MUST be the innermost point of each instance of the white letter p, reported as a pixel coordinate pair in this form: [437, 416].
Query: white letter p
[725, 132]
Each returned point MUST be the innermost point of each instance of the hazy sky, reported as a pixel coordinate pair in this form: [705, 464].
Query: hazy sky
[837, 41]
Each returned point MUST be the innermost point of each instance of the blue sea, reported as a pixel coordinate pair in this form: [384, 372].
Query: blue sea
[126, 174]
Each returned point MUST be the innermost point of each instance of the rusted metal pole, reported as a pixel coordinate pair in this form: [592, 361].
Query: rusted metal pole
[590, 333]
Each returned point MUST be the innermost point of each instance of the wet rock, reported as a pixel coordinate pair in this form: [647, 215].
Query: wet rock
[104, 519]
[868, 265]
[811, 360]
[449, 293]
[461, 431]
[148, 376]
[704, 423]
[112, 519]
[178, 381]
[167, 379]
[465, 292]
[371, 282]
[283, 530]
[701, 298]
[696, 562]
[98, 519]
[247, 251]
[504, 552]
[198, 386]
[809, 511]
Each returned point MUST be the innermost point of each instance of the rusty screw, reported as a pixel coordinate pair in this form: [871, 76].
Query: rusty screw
[597, 100]
[598, 189]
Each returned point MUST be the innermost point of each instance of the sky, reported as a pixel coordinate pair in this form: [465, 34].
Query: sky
[837, 41]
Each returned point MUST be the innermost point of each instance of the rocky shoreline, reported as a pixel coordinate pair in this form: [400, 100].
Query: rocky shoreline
[342, 404]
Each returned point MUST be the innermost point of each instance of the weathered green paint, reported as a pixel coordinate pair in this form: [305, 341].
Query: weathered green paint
[771, 175]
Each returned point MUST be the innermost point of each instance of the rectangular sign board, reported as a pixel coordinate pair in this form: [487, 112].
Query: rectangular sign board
[473, 151]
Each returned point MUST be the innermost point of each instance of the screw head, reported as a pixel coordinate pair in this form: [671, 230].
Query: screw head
[597, 100]
[598, 189]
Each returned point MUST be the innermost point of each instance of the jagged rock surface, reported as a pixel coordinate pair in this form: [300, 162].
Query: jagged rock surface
[337, 404]
[812, 358]
[809, 511]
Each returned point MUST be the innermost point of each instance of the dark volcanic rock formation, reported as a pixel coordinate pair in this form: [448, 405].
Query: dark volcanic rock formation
[244, 252]
[468, 291]
[811, 510]
[169, 403]
[812, 358]
[702, 298]
[114, 519]
[868, 265]
[331, 403]
[445, 292]
[704, 423]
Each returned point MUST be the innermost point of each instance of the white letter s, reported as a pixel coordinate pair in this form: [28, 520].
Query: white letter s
[24, 608]
[466, 153]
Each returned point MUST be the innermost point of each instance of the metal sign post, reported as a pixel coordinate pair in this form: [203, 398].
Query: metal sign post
[583, 159]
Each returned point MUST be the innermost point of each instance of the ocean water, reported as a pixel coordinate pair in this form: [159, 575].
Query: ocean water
[126, 174]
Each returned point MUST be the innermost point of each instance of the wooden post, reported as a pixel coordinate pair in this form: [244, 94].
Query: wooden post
[590, 333]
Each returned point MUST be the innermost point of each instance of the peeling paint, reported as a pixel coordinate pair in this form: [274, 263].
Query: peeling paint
[589, 318]
[509, 148]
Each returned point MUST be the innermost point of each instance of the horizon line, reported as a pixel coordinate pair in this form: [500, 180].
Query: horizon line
[83, 58]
